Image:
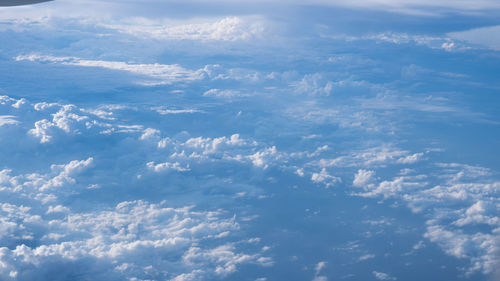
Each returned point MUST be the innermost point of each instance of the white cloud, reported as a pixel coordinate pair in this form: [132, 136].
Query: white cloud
[226, 29]
[42, 187]
[413, 158]
[162, 73]
[383, 276]
[65, 173]
[150, 133]
[176, 166]
[56, 120]
[324, 177]
[223, 93]
[121, 242]
[8, 120]
[318, 268]
[362, 178]
[57, 209]
[314, 84]
[465, 197]
[166, 111]
[373, 157]
[264, 157]
[366, 257]
[132, 235]
[478, 214]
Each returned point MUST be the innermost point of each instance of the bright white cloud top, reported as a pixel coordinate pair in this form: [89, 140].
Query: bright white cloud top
[250, 140]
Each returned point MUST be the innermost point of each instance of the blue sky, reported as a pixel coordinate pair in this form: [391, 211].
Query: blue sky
[250, 140]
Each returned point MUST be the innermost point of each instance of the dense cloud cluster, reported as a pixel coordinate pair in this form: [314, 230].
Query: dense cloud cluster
[134, 239]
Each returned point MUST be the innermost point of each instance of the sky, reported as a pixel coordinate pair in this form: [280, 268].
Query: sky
[250, 140]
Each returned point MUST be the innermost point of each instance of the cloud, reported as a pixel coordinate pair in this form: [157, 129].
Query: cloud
[126, 239]
[162, 73]
[162, 148]
[314, 84]
[362, 177]
[318, 268]
[8, 120]
[176, 166]
[73, 121]
[42, 187]
[484, 36]
[383, 276]
[324, 177]
[226, 29]
[416, 7]
[366, 257]
[264, 157]
[478, 214]
[41, 228]
[412, 7]
[133, 239]
[222, 93]
[166, 111]
[464, 196]
[373, 157]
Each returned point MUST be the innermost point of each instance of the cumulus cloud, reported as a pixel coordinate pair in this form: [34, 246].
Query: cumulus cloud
[115, 242]
[125, 241]
[176, 166]
[128, 238]
[44, 223]
[362, 177]
[226, 29]
[324, 177]
[465, 197]
[71, 120]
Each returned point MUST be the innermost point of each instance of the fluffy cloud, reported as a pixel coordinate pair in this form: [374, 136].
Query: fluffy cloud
[176, 166]
[362, 177]
[134, 239]
[130, 240]
[226, 29]
[464, 197]
[324, 177]
[233, 148]
[219, 135]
